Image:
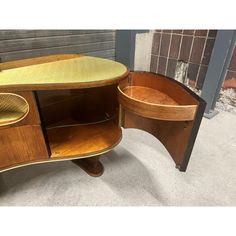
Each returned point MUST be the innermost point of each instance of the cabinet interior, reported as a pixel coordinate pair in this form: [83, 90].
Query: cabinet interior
[80, 121]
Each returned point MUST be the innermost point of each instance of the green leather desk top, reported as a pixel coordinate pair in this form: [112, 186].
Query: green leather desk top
[84, 71]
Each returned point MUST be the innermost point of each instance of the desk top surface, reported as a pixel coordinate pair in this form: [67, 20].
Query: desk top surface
[78, 72]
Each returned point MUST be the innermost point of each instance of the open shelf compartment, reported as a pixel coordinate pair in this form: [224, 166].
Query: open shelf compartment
[81, 122]
[83, 140]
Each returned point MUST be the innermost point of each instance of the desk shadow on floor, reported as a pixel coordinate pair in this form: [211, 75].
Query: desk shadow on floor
[28, 176]
[128, 176]
[3, 186]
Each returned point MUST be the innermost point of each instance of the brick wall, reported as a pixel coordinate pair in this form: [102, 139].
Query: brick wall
[192, 47]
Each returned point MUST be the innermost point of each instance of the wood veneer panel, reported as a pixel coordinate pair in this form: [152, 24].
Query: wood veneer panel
[174, 89]
[173, 135]
[178, 137]
[149, 95]
[21, 144]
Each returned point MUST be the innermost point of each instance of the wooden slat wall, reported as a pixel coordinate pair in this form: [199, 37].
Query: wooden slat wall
[20, 44]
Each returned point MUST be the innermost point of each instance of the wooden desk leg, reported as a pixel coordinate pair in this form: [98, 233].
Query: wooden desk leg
[92, 166]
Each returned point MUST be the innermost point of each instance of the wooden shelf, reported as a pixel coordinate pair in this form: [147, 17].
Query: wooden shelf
[156, 97]
[72, 121]
[149, 95]
[83, 140]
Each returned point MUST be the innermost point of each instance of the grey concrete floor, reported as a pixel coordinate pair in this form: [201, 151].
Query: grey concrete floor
[137, 172]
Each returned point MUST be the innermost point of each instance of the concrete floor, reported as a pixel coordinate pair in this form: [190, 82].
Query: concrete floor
[138, 172]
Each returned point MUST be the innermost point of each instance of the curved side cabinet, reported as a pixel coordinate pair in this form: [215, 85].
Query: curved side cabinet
[156, 97]
[13, 108]
[164, 108]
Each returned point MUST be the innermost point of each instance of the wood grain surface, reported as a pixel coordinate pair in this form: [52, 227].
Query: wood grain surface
[22, 144]
[178, 136]
[82, 140]
[156, 97]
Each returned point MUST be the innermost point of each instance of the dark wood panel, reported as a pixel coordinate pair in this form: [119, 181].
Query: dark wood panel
[22, 34]
[85, 48]
[173, 135]
[81, 106]
[47, 42]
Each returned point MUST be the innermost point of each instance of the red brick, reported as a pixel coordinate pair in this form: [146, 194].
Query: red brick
[162, 65]
[200, 32]
[188, 32]
[165, 43]
[197, 50]
[156, 43]
[185, 48]
[175, 45]
[153, 64]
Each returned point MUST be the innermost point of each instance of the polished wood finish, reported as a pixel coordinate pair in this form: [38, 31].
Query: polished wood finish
[149, 95]
[177, 136]
[20, 145]
[92, 166]
[176, 90]
[173, 135]
[81, 120]
[83, 140]
[153, 96]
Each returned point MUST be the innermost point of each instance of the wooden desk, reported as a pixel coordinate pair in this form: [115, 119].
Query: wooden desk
[72, 107]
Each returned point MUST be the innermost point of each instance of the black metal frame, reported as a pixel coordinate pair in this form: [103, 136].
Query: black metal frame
[219, 62]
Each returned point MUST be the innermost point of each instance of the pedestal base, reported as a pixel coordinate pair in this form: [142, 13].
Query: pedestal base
[92, 166]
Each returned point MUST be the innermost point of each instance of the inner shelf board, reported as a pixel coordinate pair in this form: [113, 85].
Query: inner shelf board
[83, 140]
[149, 95]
